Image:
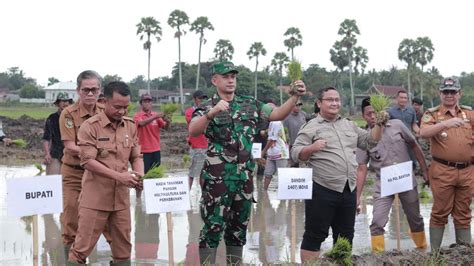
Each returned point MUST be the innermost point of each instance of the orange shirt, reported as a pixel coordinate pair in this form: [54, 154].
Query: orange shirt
[149, 134]
[452, 144]
[114, 148]
[70, 121]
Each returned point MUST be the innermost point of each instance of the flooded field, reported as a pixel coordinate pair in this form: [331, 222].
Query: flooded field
[269, 232]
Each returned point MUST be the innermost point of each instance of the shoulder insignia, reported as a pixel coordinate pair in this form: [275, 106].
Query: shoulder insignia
[466, 107]
[426, 118]
[68, 122]
[433, 109]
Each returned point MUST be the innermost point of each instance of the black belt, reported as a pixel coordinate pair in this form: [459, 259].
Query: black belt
[77, 167]
[458, 165]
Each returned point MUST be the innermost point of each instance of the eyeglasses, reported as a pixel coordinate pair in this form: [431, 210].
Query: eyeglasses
[332, 100]
[299, 104]
[452, 92]
[89, 90]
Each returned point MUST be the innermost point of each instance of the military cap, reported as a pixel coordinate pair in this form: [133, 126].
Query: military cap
[450, 83]
[223, 68]
[62, 96]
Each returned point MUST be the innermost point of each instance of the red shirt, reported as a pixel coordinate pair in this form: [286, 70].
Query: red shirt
[199, 142]
[149, 134]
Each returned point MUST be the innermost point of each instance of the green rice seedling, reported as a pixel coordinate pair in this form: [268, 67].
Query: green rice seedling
[169, 108]
[155, 172]
[186, 159]
[294, 73]
[341, 252]
[379, 102]
[40, 168]
[20, 143]
[131, 107]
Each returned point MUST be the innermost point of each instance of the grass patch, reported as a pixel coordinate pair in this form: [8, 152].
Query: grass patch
[40, 111]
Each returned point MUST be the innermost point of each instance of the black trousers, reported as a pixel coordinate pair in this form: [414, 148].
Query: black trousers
[328, 208]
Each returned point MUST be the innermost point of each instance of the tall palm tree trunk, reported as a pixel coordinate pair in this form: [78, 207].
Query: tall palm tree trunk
[149, 56]
[181, 96]
[198, 74]
[352, 87]
[421, 83]
[409, 85]
[281, 86]
[256, 66]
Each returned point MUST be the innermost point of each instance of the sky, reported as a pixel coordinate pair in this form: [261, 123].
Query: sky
[57, 38]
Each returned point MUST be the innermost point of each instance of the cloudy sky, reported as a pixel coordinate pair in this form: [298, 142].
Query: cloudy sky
[56, 38]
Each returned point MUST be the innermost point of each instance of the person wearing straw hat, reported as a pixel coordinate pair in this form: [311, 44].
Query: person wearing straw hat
[52, 144]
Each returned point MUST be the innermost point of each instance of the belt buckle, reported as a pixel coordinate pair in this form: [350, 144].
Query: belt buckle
[459, 165]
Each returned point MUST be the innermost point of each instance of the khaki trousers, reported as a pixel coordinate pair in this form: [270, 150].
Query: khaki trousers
[451, 189]
[72, 184]
[91, 225]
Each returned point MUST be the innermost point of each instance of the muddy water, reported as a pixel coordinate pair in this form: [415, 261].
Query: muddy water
[268, 240]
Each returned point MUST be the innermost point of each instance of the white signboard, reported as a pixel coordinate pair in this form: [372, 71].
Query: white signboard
[170, 194]
[396, 178]
[257, 150]
[295, 183]
[34, 195]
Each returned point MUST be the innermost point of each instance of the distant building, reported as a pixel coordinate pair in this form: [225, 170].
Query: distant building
[6, 95]
[165, 96]
[51, 92]
[389, 91]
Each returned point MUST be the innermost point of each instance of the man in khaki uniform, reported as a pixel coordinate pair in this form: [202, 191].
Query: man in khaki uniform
[71, 119]
[108, 142]
[449, 127]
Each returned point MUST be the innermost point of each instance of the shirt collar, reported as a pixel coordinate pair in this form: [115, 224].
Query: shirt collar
[105, 121]
[321, 119]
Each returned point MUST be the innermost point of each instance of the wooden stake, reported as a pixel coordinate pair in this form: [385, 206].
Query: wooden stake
[293, 231]
[397, 214]
[169, 223]
[35, 240]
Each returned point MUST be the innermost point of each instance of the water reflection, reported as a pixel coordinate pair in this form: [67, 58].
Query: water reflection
[268, 239]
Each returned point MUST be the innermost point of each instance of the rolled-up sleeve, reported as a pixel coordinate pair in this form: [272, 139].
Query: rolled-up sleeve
[87, 143]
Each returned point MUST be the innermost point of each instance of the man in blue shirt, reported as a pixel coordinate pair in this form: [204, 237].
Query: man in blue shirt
[404, 112]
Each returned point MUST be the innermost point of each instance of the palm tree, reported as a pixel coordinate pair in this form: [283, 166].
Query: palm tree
[148, 27]
[176, 20]
[349, 30]
[52, 80]
[294, 39]
[224, 50]
[198, 26]
[407, 53]
[256, 49]
[361, 59]
[424, 55]
[279, 60]
[432, 83]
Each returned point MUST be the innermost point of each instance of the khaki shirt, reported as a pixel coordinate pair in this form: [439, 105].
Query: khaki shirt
[392, 149]
[114, 148]
[453, 144]
[336, 163]
[70, 121]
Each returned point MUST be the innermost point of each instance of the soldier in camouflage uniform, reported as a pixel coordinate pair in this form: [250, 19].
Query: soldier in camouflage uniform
[229, 122]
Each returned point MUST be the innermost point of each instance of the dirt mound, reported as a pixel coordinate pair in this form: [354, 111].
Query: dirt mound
[453, 255]
[173, 141]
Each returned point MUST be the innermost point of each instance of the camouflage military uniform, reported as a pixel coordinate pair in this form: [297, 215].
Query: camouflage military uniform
[228, 169]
